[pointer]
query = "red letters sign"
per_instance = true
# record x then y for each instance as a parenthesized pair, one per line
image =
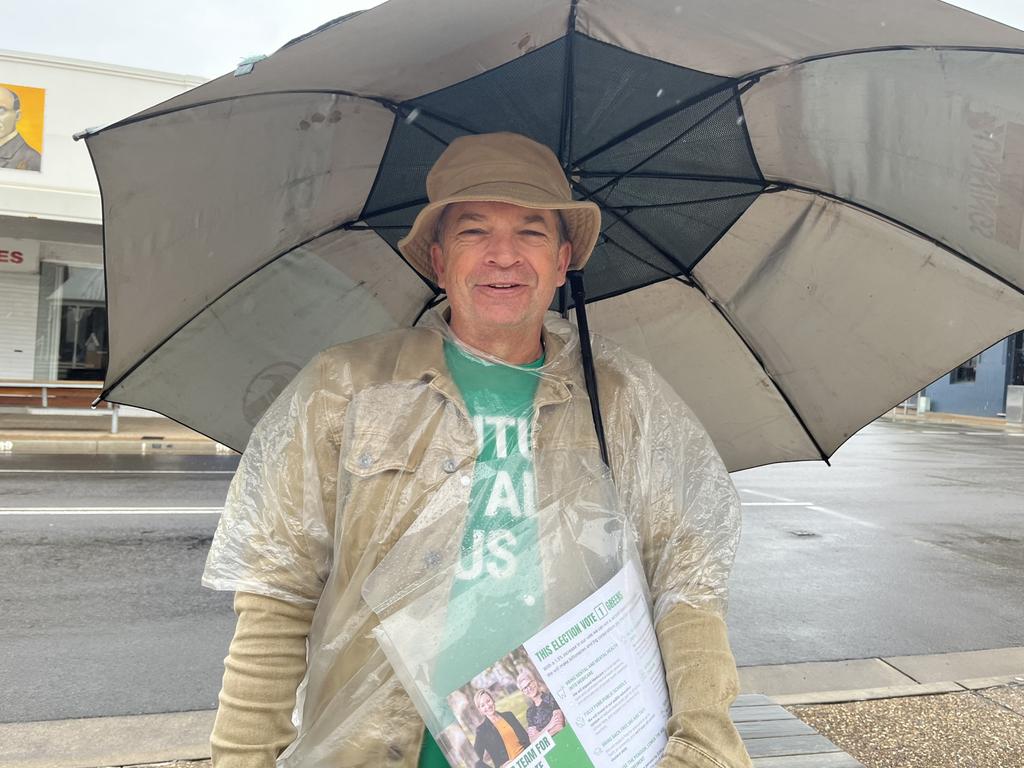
(19, 256)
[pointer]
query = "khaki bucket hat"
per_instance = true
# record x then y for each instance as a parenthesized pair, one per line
(501, 168)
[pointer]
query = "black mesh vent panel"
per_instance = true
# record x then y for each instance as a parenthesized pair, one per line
(662, 149)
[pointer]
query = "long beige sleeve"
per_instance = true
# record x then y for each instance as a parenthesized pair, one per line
(265, 664)
(702, 682)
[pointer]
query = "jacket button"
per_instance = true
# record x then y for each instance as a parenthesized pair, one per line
(448, 466)
(366, 461)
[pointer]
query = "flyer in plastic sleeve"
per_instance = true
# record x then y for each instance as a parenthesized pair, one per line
(587, 690)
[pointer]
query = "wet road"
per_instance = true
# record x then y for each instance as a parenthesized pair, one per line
(910, 543)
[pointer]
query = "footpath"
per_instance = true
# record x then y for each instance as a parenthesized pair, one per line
(936, 711)
(83, 433)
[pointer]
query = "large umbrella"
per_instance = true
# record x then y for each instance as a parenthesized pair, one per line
(812, 208)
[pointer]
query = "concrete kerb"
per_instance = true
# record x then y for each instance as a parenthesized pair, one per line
(148, 739)
(72, 433)
(833, 682)
(951, 420)
(106, 741)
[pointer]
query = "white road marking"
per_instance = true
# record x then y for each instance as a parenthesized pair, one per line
(766, 495)
(990, 432)
(783, 501)
(11, 471)
(848, 518)
(112, 511)
(777, 503)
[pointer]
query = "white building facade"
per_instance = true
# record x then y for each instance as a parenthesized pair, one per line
(52, 295)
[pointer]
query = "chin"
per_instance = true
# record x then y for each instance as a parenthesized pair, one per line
(502, 315)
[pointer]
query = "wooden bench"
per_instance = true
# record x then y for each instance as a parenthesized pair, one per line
(49, 394)
(777, 739)
(59, 397)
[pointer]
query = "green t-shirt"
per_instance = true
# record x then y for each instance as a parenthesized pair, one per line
(497, 598)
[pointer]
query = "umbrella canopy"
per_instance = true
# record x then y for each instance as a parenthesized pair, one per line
(811, 208)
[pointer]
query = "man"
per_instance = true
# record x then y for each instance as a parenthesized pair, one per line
(14, 152)
(543, 712)
(476, 425)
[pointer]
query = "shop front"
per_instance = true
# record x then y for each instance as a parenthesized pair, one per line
(53, 320)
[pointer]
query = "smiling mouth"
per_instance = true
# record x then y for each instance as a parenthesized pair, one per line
(501, 286)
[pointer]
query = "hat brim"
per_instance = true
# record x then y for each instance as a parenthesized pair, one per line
(582, 223)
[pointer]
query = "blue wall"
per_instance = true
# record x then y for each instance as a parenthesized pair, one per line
(985, 396)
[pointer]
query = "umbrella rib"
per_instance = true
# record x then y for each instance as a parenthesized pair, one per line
(132, 120)
(434, 300)
(568, 83)
(623, 220)
(642, 260)
(389, 209)
(735, 97)
(780, 186)
(663, 115)
(760, 362)
(415, 110)
(398, 108)
(345, 225)
(168, 416)
(758, 73)
(718, 198)
(672, 176)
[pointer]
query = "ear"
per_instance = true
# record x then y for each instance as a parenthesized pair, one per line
(564, 257)
(437, 262)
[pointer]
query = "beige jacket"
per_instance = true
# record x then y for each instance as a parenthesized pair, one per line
(370, 440)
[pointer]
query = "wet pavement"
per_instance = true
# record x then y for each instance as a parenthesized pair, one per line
(911, 543)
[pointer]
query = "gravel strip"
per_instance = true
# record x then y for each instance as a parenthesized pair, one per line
(974, 729)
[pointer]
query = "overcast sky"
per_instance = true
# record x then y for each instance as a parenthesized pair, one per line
(209, 37)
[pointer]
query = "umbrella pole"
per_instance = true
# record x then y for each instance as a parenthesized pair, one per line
(579, 301)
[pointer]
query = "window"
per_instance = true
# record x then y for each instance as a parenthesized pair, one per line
(965, 372)
(72, 326)
(1017, 358)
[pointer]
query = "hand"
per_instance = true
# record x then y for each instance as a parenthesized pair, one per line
(556, 723)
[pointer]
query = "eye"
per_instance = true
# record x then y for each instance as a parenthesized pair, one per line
(533, 233)
(473, 231)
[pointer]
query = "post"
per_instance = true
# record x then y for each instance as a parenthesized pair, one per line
(113, 419)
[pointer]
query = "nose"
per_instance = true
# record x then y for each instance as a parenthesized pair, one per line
(502, 250)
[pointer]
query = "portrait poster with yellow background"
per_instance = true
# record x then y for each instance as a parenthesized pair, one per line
(24, 117)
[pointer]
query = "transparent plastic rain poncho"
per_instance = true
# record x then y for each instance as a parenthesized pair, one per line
(360, 492)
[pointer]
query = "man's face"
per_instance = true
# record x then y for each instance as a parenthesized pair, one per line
(500, 264)
(8, 117)
(530, 687)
